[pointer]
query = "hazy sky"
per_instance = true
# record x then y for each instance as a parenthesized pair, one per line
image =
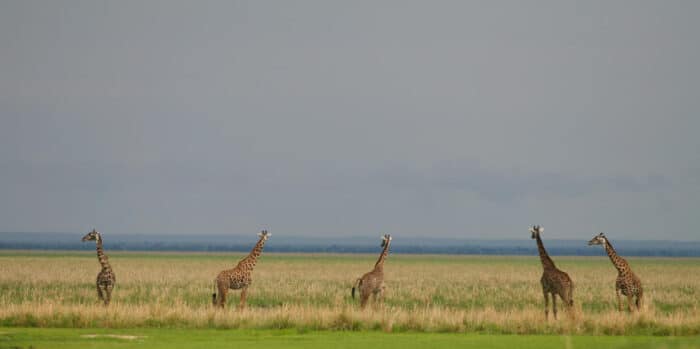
(431, 118)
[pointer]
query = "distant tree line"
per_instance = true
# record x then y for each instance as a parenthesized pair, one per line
(464, 249)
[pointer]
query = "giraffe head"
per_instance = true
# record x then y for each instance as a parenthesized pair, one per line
(386, 239)
(93, 235)
(264, 235)
(536, 230)
(599, 239)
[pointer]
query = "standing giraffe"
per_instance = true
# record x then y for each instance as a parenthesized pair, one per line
(240, 276)
(105, 278)
(372, 283)
(554, 281)
(627, 283)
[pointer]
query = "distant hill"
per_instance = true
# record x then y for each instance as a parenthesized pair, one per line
(356, 244)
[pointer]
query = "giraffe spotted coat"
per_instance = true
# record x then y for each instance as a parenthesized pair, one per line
(371, 284)
(554, 281)
(105, 278)
(238, 278)
(627, 283)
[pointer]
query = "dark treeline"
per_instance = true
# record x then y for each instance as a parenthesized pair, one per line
(241, 243)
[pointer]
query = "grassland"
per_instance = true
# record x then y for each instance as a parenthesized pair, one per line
(262, 339)
(309, 293)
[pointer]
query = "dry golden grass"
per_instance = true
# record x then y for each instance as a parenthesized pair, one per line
(309, 292)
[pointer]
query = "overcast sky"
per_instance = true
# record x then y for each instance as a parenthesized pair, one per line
(431, 118)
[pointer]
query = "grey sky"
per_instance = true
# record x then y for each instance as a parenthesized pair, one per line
(467, 119)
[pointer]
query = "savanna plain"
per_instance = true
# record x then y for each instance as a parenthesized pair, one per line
(48, 299)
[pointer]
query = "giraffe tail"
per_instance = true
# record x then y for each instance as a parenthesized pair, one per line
(571, 296)
(638, 300)
(213, 295)
(357, 284)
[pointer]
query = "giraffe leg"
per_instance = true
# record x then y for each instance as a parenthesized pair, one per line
(364, 298)
(638, 301)
(629, 303)
(244, 293)
(554, 305)
(569, 303)
(619, 299)
(570, 297)
(108, 294)
(221, 297)
(100, 297)
(546, 304)
(380, 296)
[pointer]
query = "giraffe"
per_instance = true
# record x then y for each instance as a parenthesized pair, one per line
(372, 283)
(105, 278)
(240, 276)
(554, 281)
(627, 282)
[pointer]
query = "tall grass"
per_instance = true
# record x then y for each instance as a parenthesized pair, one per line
(312, 292)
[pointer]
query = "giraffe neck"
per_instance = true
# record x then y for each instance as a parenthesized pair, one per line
(619, 262)
(101, 256)
(249, 261)
(547, 262)
(382, 257)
